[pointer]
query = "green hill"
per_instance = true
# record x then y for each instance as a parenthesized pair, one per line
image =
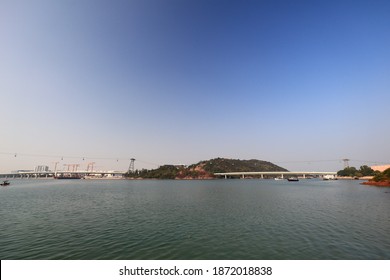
(206, 169)
(220, 165)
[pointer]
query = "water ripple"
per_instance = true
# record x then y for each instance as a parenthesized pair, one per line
(233, 219)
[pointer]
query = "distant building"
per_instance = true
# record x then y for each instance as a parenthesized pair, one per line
(380, 168)
(41, 168)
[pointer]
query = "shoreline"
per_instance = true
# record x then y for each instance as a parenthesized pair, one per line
(377, 184)
(354, 178)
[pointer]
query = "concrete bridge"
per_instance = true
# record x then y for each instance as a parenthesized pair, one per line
(280, 174)
(47, 174)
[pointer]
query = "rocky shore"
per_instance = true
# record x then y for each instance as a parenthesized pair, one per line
(377, 184)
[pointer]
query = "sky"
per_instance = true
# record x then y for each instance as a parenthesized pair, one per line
(302, 84)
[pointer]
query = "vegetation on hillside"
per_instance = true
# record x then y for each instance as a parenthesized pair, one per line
(163, 172)
(381, 179)
(364, 170)
(205, 169)
(383, 176)
(218, 165)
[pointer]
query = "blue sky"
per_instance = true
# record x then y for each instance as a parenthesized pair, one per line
(299, 83)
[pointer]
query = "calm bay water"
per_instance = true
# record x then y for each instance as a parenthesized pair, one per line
(217, 219)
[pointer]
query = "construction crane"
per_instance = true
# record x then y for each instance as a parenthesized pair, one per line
(67, 165)
(73, 166)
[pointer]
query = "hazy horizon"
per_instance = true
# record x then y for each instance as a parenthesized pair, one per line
(302, 84)
(54, 162)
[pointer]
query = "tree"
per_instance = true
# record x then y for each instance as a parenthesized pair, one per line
(382, 176)
(348, 171)
(366, 171)
(386, 173)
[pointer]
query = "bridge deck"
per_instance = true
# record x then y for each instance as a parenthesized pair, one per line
(275, 173)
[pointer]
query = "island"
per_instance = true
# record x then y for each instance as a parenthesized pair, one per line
(204, 169)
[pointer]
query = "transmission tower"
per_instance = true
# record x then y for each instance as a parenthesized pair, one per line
(131, 166)
(346, 162)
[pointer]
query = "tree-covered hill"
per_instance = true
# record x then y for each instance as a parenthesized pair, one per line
(364, 170)
(205, 169)
(236, 165)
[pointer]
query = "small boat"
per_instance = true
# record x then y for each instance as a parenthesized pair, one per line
(278, 179)
(329, 177)
(293, 179)
(5, 183)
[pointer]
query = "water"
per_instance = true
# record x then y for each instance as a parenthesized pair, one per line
(217, 219)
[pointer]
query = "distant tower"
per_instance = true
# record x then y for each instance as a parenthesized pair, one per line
(346, 162)
(131, 166)
(90, 165)
(55, 165)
